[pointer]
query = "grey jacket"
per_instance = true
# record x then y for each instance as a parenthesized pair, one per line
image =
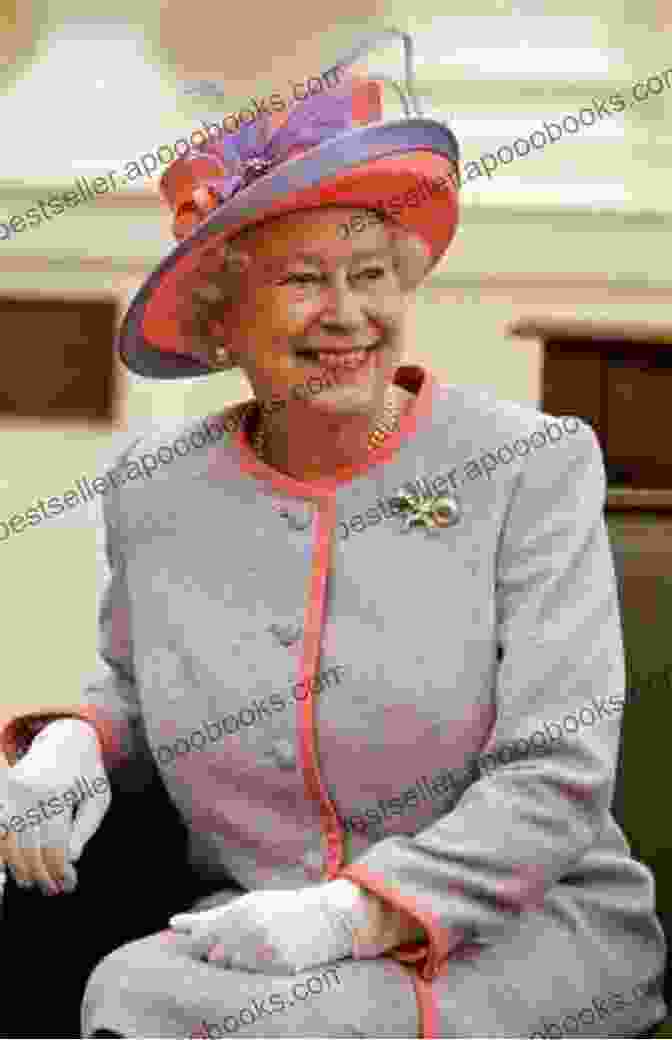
(431, 712)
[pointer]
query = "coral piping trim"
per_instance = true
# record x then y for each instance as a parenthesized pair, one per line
(428, 1010)
(324, 524)
(413, 378)
(441, 940)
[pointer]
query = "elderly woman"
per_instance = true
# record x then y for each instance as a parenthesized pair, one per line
(397, 832)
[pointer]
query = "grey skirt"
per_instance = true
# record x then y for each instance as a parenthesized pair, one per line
(531, 984)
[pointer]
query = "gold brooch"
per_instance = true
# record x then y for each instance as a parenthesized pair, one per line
(429, 511)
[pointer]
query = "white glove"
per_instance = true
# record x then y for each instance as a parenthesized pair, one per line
(39, 797)
(279, 933)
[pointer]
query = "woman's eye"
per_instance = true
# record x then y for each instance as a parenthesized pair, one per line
(371, 273)
(368, 273)
(303, 279)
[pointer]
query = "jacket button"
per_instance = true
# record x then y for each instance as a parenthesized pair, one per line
(286, 634)
(298, 517)
(312, 864)
(299, 522)
(284, 754)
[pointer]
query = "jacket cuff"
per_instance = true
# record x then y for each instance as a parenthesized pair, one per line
(386, 928)
(18, 734)
(427, 956)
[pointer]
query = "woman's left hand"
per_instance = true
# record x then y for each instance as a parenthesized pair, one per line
(279, 932)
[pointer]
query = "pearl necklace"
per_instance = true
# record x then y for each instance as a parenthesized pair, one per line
(388, 424)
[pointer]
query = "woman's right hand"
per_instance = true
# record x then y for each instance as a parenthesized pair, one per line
(45, 819)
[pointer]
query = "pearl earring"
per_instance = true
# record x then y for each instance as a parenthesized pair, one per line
(222, 356)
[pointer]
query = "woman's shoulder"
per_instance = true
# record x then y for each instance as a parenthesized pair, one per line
(170, 452)
(479, 413)
(214, 426)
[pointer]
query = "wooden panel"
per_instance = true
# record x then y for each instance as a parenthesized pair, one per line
(572, 383)
(600, 335)
(620, 498)
(622, 386)
(638, 398)
(58, 359)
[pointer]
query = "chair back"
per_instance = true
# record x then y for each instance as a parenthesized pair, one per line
(643, 565)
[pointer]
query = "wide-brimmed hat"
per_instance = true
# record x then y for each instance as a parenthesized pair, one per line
(335, 148)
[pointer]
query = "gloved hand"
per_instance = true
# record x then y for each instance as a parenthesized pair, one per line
(283, 933)
(39, 797)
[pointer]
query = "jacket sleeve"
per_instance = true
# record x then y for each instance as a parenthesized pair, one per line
(110, 700)
(529, 816)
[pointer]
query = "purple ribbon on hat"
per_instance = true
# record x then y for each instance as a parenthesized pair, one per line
(256, 147)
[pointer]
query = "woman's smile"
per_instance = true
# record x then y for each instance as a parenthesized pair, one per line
(345, 363)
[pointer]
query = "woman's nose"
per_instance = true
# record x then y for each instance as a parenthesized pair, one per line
(343, 307)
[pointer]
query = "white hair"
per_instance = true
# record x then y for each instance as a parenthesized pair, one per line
(412, 256)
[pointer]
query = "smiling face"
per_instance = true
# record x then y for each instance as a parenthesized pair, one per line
(313, 306)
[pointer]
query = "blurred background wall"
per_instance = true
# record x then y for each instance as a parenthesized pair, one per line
(575, 230)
